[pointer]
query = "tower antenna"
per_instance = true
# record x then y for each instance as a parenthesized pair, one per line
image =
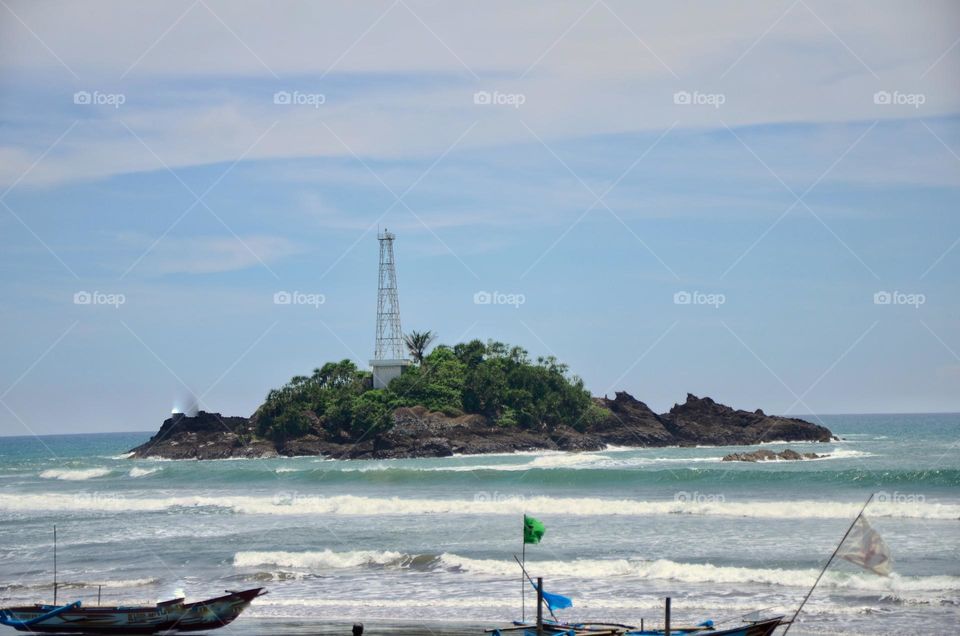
(389, 355)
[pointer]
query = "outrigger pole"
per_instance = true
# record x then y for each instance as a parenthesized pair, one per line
(829, 561)
(539, 593)
(523, 573)
(523, 587)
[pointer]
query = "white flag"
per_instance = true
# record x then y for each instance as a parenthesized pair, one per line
(866, 548)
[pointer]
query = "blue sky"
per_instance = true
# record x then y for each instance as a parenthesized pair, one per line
(782, 199)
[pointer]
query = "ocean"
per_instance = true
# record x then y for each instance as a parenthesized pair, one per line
(427, 545)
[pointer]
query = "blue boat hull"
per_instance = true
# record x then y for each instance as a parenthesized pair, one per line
(550, 628)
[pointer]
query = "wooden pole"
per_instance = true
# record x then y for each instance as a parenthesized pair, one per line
(54, 564)
(552, 615)
(829, 561)
(666, 618)
(539, 606)
(99, 591)
(523, 583)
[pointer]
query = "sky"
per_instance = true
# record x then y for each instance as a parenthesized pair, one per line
(755, 201)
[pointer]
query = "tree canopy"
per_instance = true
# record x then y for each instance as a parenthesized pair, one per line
(495, 380)
(417, 344)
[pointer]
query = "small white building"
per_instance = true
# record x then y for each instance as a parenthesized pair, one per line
(386, 370)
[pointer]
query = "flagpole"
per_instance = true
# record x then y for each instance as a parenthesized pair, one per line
(829, 561)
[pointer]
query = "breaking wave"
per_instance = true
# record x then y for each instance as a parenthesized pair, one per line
(587, 461)
(329, 560)
(483, 503)
(75, 475)
(659, 569)
(125, 583)
(117, 584)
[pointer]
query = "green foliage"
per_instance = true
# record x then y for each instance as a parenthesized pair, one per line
(330, 389)
(594, 415)
(436, 384)
(417, 343)
(492, 379)
(507, 418)
(371, 413)
(470, 353)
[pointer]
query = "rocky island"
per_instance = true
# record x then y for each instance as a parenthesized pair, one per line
(473, 398)
(766, 455)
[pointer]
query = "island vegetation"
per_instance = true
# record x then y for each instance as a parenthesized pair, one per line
(493, 379)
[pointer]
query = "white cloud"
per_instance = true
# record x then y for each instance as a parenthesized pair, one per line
(211, 254)
(398, 92)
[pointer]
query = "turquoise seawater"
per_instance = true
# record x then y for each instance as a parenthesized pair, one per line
(433, 539)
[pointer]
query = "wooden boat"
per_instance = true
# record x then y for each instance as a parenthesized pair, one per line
(169, 616)
(752, 624)
(763, 627)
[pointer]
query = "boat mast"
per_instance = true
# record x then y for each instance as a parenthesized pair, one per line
(54, 564)
(829, 561)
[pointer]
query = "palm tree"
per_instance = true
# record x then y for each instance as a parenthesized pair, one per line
(417, 343)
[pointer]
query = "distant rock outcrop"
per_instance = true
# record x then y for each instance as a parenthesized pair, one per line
(698, 419)
(764, 455)
(205, 436)
(632, 423)
(418, 432)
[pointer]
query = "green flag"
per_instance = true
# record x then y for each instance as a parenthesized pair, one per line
(532, 530)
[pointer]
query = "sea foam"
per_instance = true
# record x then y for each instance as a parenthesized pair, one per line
(593, 461)
(74, 475)
(659, 569)
(482, 504)
(322, 560)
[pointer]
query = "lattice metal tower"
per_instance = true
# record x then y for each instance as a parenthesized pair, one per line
(389, 356)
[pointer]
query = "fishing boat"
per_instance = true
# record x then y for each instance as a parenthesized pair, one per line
(764, 627)
(169, 616)
(752, 624)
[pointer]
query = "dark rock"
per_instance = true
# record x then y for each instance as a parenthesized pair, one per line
(205, 436)
(700, 419)
(765, 455)
(631, 423)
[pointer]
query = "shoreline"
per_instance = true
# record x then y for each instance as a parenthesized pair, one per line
(299, 626)
(610, 448)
